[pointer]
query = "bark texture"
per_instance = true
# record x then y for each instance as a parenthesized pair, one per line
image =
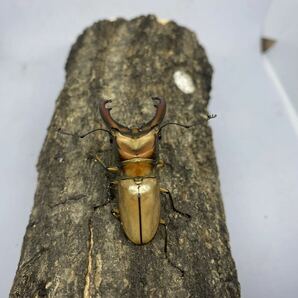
(73, 248)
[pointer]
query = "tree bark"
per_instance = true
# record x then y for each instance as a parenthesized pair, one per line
(73, 246)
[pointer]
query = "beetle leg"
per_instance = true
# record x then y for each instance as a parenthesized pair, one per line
(108, 201)
(162, 222)
(113, 170)
(166, 191)
(161, 164)
(110, 198)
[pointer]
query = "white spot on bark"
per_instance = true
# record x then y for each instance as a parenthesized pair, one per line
(184, 82)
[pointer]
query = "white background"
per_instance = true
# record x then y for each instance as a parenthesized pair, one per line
(255, 134)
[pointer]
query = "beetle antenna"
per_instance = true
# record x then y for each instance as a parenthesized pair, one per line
(209, 116)
(94, 130)
(85, 134)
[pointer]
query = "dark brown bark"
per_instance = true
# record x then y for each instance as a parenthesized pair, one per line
(73, 249)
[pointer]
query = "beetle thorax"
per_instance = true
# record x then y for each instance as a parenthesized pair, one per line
(142, 146)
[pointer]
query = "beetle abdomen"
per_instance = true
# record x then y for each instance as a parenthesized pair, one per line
(139, 206)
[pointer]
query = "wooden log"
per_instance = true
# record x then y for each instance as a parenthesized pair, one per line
(73, 246)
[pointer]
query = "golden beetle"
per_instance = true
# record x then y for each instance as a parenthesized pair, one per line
(137, 182)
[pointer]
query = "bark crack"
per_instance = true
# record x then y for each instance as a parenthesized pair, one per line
(87, 286)
(33, 259)
(74, 198)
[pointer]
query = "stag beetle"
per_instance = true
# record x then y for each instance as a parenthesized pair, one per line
(138, 187)
(137, 182)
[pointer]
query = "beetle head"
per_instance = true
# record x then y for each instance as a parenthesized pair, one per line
(137, 141)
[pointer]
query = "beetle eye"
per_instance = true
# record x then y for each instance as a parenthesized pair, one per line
(159, 137)
(111, 141)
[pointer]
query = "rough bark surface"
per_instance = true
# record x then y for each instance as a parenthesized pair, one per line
(73, 248)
